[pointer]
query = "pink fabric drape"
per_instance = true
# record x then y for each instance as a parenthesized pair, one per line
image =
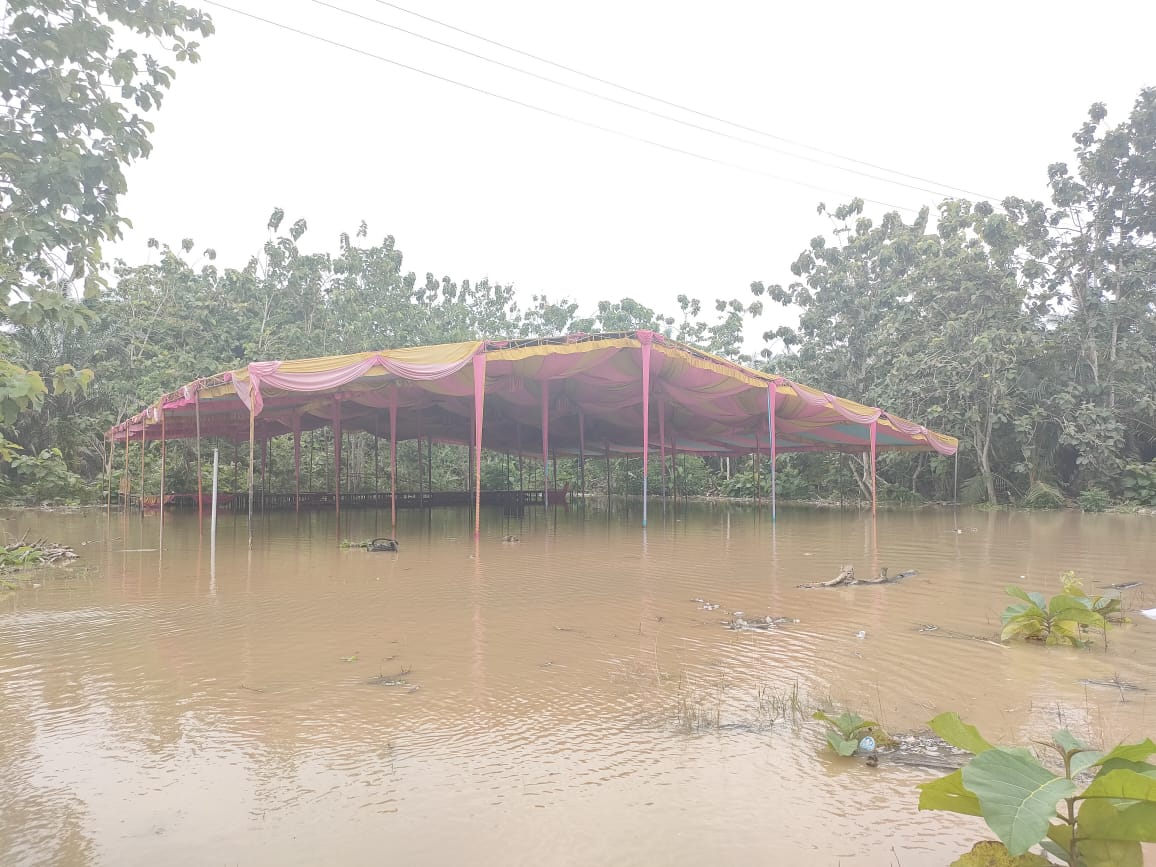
(266, 373)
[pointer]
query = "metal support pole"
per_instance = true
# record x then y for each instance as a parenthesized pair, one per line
(200, 466)
(479, 411)
(545, 443)
(252, 455)
(874, 498)
(772, 398)
(645, 421)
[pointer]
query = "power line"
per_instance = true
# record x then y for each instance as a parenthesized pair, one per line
(687, 123)
(685, 108)
(547, 111)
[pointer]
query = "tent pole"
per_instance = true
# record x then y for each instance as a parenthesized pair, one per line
(772, 395)
(127, 472)
(421, 473)
(163, 455)
(662, 440)
(252, 454)
(140, 497)
(479, 410)
(608, 486)
(337, 434)
(874, 426)
(108, 469)
(645, 337)
(582, 453)
(521, 469)
(264, 472)
(376, 467)
(955, 495)
(297, 462)
(545, 443)
(200, 466)
(758, 472)
(393, 458)
(429, 469)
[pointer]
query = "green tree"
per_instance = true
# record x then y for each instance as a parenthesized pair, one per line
(75, 98)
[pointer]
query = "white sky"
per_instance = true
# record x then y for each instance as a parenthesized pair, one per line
(982, 96)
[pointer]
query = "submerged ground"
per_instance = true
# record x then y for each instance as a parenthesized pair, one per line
(571, 697)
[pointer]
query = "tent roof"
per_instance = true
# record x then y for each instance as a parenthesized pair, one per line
(592, 385)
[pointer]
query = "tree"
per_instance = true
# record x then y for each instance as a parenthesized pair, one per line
(73, 117)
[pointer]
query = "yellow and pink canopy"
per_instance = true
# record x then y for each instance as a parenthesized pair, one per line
(623, 394)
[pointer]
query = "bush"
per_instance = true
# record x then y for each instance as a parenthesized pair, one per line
(1139, 483)
(45, 477)
(1094, 500)
(1043, 496)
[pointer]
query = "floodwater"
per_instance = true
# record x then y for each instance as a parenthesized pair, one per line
(559, 699)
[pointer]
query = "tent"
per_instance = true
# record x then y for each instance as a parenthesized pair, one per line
(626, 393)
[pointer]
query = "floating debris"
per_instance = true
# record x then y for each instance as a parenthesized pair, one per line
(1125, 585)
(511, 539)
(846, 578)
(39, 553)
(1114, 683)
(758, 624)
(933, 629)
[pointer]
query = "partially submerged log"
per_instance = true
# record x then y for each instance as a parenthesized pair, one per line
(846, 578)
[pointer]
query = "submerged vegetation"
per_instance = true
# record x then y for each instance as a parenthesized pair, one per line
(1067, 618)
(1027, 329)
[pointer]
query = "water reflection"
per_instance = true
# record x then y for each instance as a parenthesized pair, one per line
(524, 700)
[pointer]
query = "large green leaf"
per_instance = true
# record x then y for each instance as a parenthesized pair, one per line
(1100, 819)
(1017, 794)
(1036, 599)
(843, 746)
(959, 734)
(1072, 608)
(949, 793)
(989, 853)
(1094, 853)
(1131, 752)
(1122, 783)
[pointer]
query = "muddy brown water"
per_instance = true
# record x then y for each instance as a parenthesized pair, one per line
(561, 699)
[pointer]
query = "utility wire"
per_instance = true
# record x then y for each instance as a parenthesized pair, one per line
(632, 106)
(685, 108)
(547, 111)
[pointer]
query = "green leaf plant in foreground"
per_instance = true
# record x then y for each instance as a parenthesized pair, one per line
(1026, 803)
(846, 730)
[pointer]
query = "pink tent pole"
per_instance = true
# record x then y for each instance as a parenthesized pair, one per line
(645, 337)
(479, 408)
(545, 443)
(874, 425)
(337, 458)
(297, 459)
(582, 452)
(772, 394)
(662, 440)
(200, 493)
(252, 448)
(393, 457)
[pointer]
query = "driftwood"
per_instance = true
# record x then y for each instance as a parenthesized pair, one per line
(25, 553)
(846, 578)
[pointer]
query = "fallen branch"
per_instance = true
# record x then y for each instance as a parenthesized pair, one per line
(846, 578)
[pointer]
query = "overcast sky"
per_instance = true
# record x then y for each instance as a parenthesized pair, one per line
(980, 96)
